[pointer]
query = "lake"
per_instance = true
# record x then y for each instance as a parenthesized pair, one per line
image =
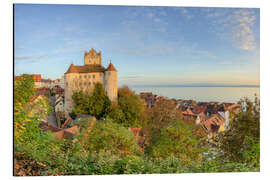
(218, 94)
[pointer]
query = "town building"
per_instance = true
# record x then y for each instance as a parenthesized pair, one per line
(83, 78)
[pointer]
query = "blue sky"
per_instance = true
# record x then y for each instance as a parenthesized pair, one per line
(147, 45)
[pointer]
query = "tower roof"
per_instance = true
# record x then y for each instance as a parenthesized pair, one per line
(111, 67)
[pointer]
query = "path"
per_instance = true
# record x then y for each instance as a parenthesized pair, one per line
(52, 117)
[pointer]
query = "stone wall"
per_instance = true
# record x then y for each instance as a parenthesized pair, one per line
(111, 85)
(80, 82)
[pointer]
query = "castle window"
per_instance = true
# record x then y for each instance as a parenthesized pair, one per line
(85, 76)
(66, 84)
(85, 83)
(89, 83)
(89, 76)
(94, 76)
(80, 84)
(80, 76)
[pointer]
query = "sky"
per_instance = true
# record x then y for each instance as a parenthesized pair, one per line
(147, 45)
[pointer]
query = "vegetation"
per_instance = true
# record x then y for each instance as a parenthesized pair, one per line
(242, 142)
(126, 112)
(96, 104)
(107, 146)
(131, 105)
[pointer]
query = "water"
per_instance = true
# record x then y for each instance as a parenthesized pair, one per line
(203, 94)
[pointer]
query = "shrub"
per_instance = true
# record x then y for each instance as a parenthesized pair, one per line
(107, 136)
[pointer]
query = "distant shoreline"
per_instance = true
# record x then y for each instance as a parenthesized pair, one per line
(195, 85)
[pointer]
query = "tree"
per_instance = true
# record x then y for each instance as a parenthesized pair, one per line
(100, 136)
(178, 140)
(241, 143)
(163, 114)
(23, 90)
(115, 114)
(131, 105)
(168, 135)
(96, 104)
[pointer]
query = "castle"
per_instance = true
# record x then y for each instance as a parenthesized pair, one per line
(83, 78)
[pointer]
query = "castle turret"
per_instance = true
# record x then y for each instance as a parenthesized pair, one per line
(92, 57)
(111, 84)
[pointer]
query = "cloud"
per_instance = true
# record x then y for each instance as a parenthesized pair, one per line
(236, 24)
(26, 57)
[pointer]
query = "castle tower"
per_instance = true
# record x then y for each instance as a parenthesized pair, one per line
(111, 83)
(92, 57)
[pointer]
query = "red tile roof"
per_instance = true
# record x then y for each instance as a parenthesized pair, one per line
(87, 68)
(67, 133)
(215, 120)
(188, 112)
(66, 122)
(36, 77)
(111, 67)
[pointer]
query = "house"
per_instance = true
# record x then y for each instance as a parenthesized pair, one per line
(149, 98)
(59, 82)
(59, 104)
(213, 124)
(188, 114)
(42, 91)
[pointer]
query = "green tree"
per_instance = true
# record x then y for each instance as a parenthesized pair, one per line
(131, 105)
(178, 140)
(100, 136)
(241, 143)
(97, 103)
(168, 135)
(163, 114)
(23, 90)
(115, 114)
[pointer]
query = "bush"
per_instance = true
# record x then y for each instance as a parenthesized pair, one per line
(132, 107)
(108, 136)
(242, 142)
(179, 141)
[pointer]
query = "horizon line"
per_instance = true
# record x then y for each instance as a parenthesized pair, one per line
(196, 85)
